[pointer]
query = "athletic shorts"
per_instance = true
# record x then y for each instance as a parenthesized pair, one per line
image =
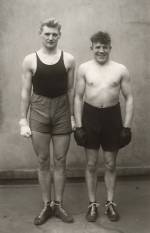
(102, 126)
(50, 115)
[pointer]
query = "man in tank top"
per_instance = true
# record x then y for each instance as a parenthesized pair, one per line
(47, 90)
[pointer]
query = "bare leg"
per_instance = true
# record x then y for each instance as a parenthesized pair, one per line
(41, 142)
(110, 173)
(91, 173)
(110, 182)
(60, 147)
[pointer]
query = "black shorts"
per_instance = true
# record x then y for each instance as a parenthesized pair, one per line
(102, 126)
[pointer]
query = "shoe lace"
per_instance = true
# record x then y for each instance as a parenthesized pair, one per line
(61, 208)
(93, 207)
(52, 203)
(111, 205)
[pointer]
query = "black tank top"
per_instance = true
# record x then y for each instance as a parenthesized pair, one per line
(50, 80)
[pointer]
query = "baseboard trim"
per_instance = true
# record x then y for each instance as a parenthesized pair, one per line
(72, 172)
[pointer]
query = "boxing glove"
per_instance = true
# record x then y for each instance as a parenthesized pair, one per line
(125, 137)
(80, 136)
(25, 130)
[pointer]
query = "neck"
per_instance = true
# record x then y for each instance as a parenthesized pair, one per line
(52, 51)
(102, 63)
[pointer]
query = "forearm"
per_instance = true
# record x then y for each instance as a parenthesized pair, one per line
(71, 101)
(128, 112)
(78, 105)
(25, 130)
(25, 103)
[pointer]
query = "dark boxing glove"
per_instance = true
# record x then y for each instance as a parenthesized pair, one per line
(125, 137)
(80, 136)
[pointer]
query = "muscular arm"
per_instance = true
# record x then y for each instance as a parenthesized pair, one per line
(127, 94)
(71, 71)
(79, 93)
(26, 87)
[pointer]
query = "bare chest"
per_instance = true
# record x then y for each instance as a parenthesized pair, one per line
(49, 59)
(102, 78)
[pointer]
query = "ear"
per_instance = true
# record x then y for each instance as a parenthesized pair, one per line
(91, 47)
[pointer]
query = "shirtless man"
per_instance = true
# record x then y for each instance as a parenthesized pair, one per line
(98, 118)
(49, 72)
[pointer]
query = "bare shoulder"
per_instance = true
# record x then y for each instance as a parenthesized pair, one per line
(120, 67)
(85, 66)
(69, 59)
(29, 61)
(68, 56)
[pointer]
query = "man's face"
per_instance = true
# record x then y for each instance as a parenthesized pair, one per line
(50, 37)
(101, 52)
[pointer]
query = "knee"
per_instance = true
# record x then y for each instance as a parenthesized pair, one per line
(44, 163)
(60, 162)
(91, 167)
(110, 166)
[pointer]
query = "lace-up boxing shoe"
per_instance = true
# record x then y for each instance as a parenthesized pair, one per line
(92, 212)
(60, 212)
(44, 215)
(111, 211)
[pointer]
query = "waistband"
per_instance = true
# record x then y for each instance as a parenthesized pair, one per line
(109, 108)
(50, 98)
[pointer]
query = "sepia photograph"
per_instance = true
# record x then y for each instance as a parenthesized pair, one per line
(74, 116)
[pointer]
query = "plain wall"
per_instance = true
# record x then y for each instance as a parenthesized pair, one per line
(128, 22)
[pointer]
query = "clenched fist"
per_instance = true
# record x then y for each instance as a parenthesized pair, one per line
(25, 130)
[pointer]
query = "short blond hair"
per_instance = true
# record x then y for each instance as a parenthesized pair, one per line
(50, 22)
